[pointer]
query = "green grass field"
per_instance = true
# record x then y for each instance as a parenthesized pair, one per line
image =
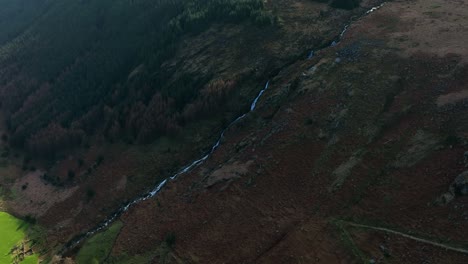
(97, 248)
(12, 231)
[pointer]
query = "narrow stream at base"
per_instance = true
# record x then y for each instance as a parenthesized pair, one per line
(78, 239)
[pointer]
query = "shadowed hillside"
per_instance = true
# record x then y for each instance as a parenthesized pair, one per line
(234, 131)
(78, 68)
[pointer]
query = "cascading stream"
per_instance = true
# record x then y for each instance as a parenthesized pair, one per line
(158, 188)
(195, 163)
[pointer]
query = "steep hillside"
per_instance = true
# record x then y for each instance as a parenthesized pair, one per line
(225, 131)
(357, 155)
(17, 16)
(101, 100)
(94, 67)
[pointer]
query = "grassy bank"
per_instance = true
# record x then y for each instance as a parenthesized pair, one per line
(12, 232)
(97, 248)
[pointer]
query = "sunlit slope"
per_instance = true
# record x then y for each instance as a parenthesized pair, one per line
(12, 231)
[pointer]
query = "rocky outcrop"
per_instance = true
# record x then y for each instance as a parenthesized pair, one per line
(227, 173)
(459, 187)
(21, 251)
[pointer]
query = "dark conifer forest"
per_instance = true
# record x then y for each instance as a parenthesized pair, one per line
(71, 68)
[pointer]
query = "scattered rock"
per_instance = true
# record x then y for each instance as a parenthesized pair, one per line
(384, 250)
(446, 198)
(322, 135)
(422, 144)
(459, 187)
(228, 172)
(452, 98)
(344, 170)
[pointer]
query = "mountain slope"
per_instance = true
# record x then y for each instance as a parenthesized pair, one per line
(73, 65)
(101, 101)
(354, 152)
(361, 135)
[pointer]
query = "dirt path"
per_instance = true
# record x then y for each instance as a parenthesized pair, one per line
(460, 250)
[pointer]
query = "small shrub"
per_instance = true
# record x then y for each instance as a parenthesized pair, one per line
(309, 121)
(90, 193)
(26, 159)
(452, 140)
(30, 219)
(71, 175)
(295, 83)
(262, 18)
(99, 159)
(170, 240)
(345, 4)
(54, 180)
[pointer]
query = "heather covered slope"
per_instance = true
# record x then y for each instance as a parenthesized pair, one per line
(354, 156)
(355, 152)
(101, 100)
